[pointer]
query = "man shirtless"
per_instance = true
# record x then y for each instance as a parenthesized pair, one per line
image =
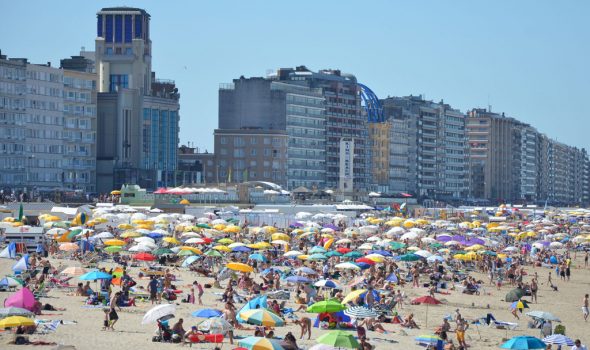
(305, 324)
(585, 308)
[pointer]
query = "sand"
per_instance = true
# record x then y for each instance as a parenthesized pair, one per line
(131, 334)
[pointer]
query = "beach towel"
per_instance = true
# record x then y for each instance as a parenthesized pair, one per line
(47, 326)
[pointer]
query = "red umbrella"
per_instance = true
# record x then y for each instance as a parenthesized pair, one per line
(344, 250)
(161, 190)
(365, 260)
(428, 300)
(144, 257)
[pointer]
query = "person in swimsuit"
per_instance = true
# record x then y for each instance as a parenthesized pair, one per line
(305, 324)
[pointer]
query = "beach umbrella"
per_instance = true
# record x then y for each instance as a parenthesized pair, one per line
(365, 260)
(392, 278)
(74, 271)
(222, 248)
(317, 256)
(360, 312)
(327, 284)
(117, 242)
(543, 315)
(339, 339)
(22, 298)
(215, 325)
(352, 296)
(409, 257)
(241, 249)
(162, 251)
(333, 253)
(428, 339)
(113, 249)
(213, 254)
(524, 342)
(558, 339)
(428, 300)
(16, 321)
(10, 282)
(292, 254)
(514, 295)
(347, 266)
(397, 245)
(434, 258)
(236, 266)
(423, 253)
(322, 347)
(69, 247)
(262, 317)
(260, 343)
(298, 279)
(521, 304)
(192, 249)
(325, 306)
(188, 261)
(317, 249)
(353, 255)
(158, 312)
(258, 257)
(207, 313)
(15, 311)
(95, 275)
(172, 240)
(185, 252)
(144, 257)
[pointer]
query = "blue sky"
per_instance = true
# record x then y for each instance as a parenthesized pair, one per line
(529, 59)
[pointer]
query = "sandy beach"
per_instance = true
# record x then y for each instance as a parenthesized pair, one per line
(86, 333)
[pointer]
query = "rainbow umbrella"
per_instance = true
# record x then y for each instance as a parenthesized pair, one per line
(262, 317)
(259, 343)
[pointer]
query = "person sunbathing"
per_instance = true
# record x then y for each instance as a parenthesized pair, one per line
(410, 323)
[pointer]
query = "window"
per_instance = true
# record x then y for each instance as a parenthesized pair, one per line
(267, 152)
(253, 140)
(118, 81)
(238, 141)
(118, 28)
(109, 51)
(99, 26)
(238, 153)
(109, 29)
(253, 163)
(253, 152)
(128, 51)
(138, 23)
(223, 140)
(267, 140)
(128, 28)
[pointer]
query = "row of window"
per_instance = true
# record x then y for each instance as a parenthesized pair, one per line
(45, 76)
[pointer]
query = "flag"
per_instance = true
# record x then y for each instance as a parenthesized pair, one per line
(229, 176)
(20, 212)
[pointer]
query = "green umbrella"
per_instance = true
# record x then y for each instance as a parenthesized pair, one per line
(61, 224)
(410, 257)
(332, 253)
(74, 233)
(436, 245)
(514, 295)
(113, 249)
(326, 306)
(186, 252)
(213, 253)
(339, 339)
(353, 254)
(396, 245)
(162, 251)
(203, 226)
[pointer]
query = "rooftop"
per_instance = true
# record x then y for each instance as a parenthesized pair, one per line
(123, 9)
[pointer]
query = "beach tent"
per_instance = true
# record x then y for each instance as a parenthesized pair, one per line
(22, 264)
(24, 298)
(9, 252)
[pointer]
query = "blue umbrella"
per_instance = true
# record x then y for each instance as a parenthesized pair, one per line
(306, 270)
(381, 252)
(317, 256)
(363, 265)
(190, 260)
(207, 313)
(95, 275)
(298, 279)
(523, 343)
(317, 249)
(155, 235)
(241, 249)
(558, 339)
(258, 257)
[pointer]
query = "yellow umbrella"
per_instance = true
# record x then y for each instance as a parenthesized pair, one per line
(185, 202)
(53, 218)
(329, 243)
(262, 245)
(112, 242)
(219, 227)
(225, 241)
(15, 321)
(303, 257)
(270, 229)
(145, 227)
(222, 248)
(353, 295)
(236, 266)
(375, 257)
(171, 240)
(9, 219)
(192, 249)
(125, 226)
(17, 224)
(116, 193)
(475, 247)
(232, 229)
(130, 234)
(280, 236)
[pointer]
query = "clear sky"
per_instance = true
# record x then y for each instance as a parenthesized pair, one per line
(529, 59)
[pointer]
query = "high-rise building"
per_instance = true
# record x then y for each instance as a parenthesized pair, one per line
(79, 133)
(13, 118)
(427, 148)
(138, 115)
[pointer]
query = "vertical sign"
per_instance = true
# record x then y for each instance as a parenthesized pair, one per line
(346, 165)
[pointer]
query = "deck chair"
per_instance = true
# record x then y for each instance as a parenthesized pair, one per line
(41, 291)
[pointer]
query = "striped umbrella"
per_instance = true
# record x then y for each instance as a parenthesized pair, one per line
(259, 343)
(215, 325)
(262, 317)
(360, 312)
(558, 339)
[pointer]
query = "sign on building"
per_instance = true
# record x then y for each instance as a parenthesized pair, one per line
(346, 165)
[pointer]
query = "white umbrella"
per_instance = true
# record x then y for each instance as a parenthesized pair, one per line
(140, 248)
(215, 325)
(423, 253)
(360, 312)
(409, 236)
(158, 312)
(555, 245)
(293, 253)
(138, 216)
(347, 266)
